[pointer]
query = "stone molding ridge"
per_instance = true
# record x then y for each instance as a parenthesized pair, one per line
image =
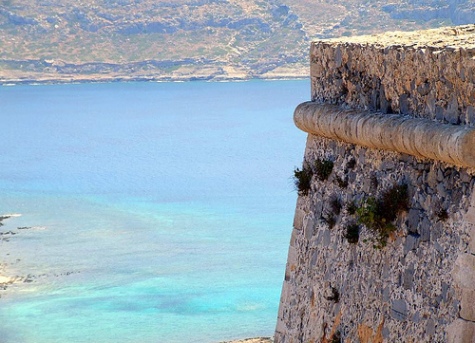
(424, 138)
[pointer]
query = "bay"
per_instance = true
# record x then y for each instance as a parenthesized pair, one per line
(156, 212)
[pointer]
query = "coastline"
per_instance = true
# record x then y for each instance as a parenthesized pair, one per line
(5, 280)
(112, 79)
(252, 340)
(212, 73)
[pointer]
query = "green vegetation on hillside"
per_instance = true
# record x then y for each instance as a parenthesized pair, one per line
(192, 38)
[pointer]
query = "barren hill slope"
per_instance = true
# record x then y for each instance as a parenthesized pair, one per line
(183, 39)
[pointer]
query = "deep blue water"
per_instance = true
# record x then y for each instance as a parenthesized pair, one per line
(162, 212)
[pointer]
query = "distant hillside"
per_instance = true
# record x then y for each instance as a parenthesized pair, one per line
(185, 39)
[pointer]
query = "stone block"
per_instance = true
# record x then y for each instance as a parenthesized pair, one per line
(464, 176)
(413, 218)
(298, 219)
(408, 278)
(326, 238)
(425, 229)
(469, 217)
(471, 244)
(432, 178)
(467, 304)
(294, 237)
(388, 165)
(430, 327)
(309, 228)
(470, 115)
(452, 115)
(445, 288)
(318, 210)
(442, 190)
(411, 243)
(399, 309)
(464, 271)
(461, 331)
(351, 177)
(292, 259)
(386, 294)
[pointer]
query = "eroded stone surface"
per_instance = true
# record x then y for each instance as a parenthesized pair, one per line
(467, 304)
(408, 283)
(461, 331)
(427, 74)
(464, 271)
(418, 287)
(415, 136)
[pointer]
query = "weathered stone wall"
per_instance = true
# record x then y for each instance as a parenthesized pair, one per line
(426, 73)
(420, 287)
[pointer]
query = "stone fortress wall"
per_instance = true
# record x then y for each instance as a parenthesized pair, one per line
(393, 110)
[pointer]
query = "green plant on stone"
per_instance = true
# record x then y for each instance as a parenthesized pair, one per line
(367, 213)
(351, 208)
(323, 169)
(352, 233)
(442, 214)
(379, 214)
(393, 201)
(336, 337)
(335, 296)
(342, 182)
(351, 164)
(331, 221)
(335, 205)
(303, 179)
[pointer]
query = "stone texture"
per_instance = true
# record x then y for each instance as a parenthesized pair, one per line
(420, 285)
(408, 278)
(471, 244)
(467, 304)
(373, 283)
(464, 271)
(298, 219)
(399, 309)
(461, 331)
(425, 74)
(414, 136)
(430, 327)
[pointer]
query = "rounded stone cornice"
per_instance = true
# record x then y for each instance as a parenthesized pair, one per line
(454, 144)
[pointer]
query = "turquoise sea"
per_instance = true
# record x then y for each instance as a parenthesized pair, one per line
(155, 212)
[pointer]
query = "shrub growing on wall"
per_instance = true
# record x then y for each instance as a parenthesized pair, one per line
(352, 233)
(303, 179)
(378, 215)
(323, 169)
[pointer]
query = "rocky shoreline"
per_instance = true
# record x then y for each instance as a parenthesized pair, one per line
(7, 279)
(112, 79)
(253, 340)
(57, 72)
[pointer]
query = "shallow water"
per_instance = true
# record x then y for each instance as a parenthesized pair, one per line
(161, 212)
